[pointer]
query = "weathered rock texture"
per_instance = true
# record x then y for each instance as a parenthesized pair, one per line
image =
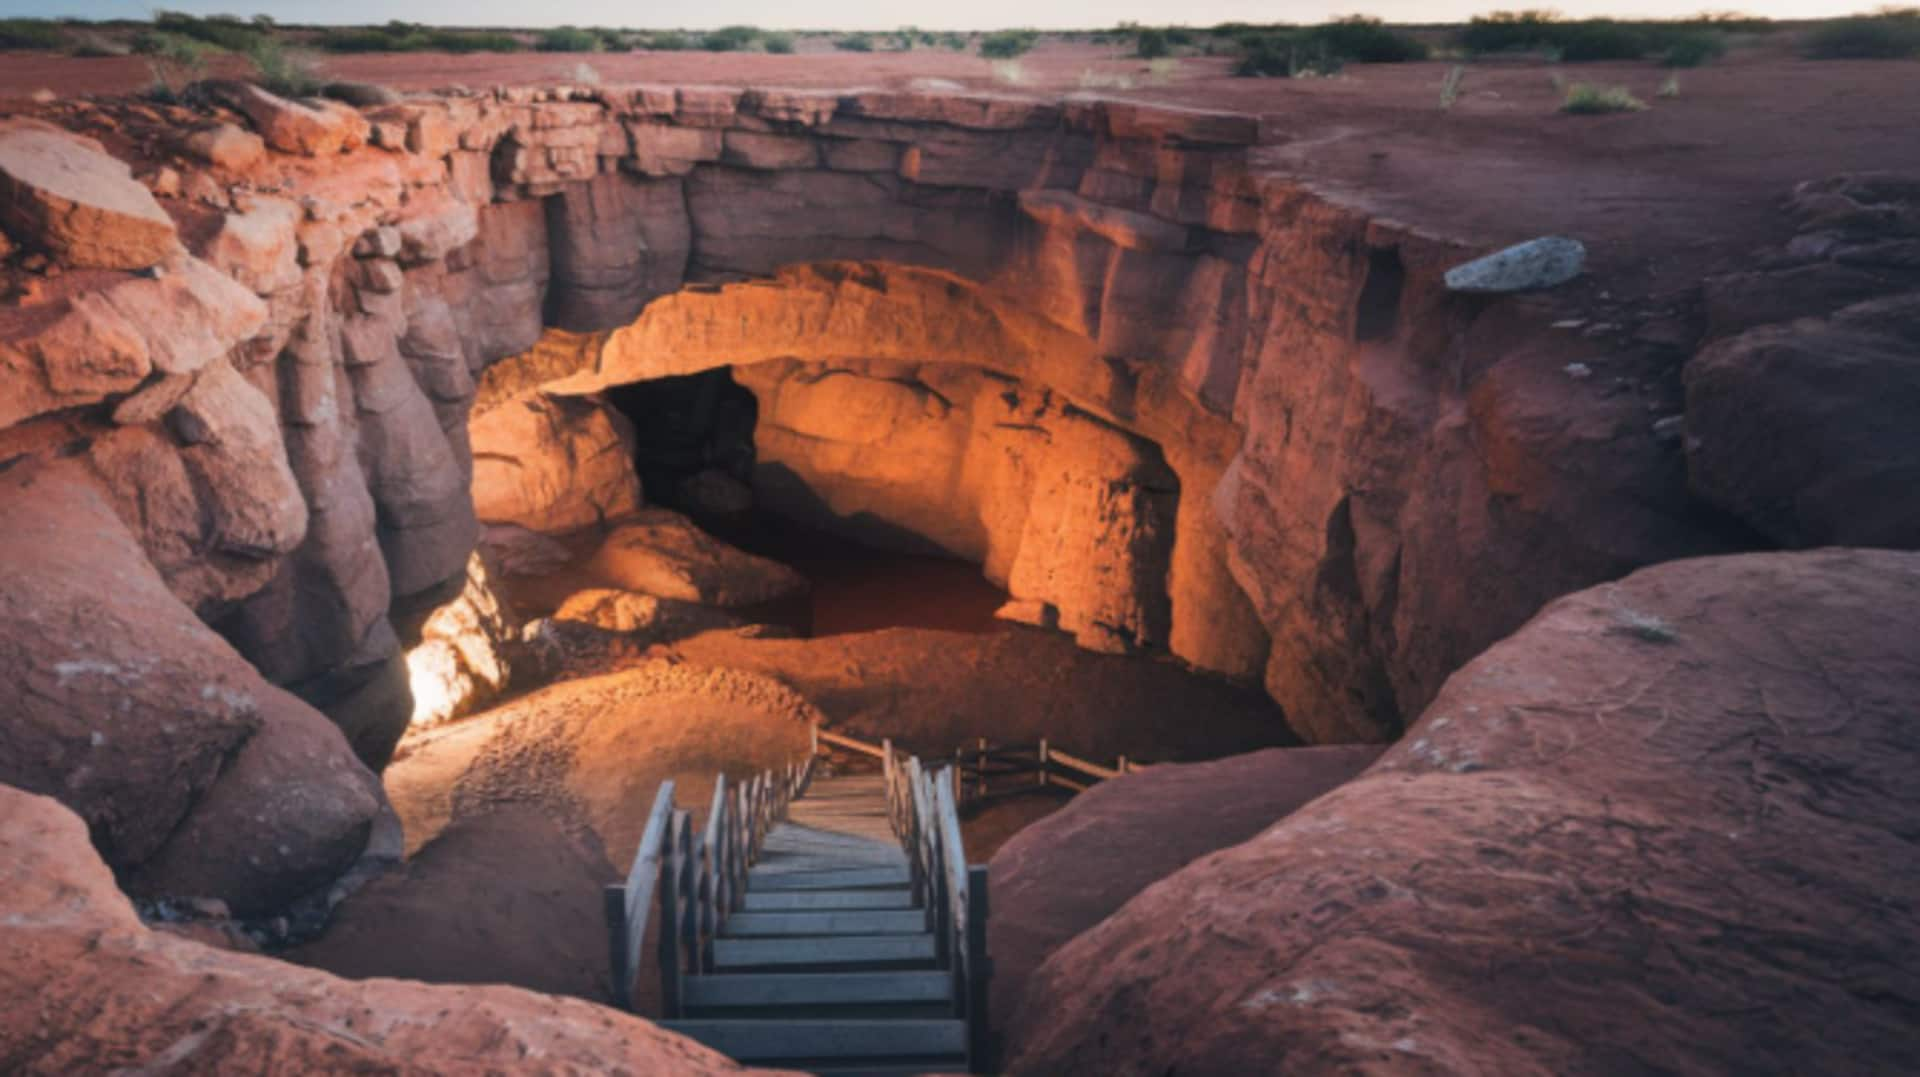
(553, 464)
(1798, 413)
(1663, 828)
(72, 199)
(1369, 479)
(1065, 873)
(464, 658)
(1073, 516)
(88, 988)
(195, 776)
(1351, 457)
(661, 553)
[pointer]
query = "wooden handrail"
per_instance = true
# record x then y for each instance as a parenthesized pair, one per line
(855, 744)
(628, 903)
(696, 878)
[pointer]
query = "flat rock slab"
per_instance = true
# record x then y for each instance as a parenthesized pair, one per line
(63, 193)
(662, 553)
(1538, 263)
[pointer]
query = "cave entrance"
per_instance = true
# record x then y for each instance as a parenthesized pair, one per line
(694, 450)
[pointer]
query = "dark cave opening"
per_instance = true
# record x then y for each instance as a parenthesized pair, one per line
(693, 438)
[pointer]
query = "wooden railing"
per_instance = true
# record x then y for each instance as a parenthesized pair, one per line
(988, 771)
(926, 817)
(695, 879)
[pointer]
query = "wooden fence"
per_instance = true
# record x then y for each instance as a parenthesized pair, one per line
(986, 771)
(695, 879)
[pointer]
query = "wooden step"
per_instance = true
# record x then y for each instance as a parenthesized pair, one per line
(834, 879)
(745, 925)
(819, 989)
(768, 1040)
(877, 897)
(823, 952)
(780, 865)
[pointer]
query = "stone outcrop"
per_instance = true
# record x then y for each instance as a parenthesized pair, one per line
(88, 986)
(1663, 827)
(661, 553)
(1799, 429)
(196, 777)
(1796, 410)
(553, 464)
(1065, 873)
(70, 198)
(464, 658)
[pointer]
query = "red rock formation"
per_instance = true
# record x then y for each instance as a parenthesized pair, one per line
(1663, 827)
(1376, 479)
(553, 464)
(1067, 872)
(196, 777)
(89, 987)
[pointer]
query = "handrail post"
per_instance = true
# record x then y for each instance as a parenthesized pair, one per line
(1043, 763)
(670, 927)
(614, 901)
(979, 967)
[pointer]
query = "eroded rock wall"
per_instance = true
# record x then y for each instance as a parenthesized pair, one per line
(1374, 478)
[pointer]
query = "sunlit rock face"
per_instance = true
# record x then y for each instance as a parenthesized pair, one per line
(553, 464)
(464, 657)
(1073, 516)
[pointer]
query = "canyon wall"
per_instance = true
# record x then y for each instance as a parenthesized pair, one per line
(264, 353)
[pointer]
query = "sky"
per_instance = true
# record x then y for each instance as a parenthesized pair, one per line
(891, 14)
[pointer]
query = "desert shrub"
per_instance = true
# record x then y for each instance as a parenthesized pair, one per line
(1323, 50)
(1509, 31)
(1450, 87)
(34, 34)
(956, 42)
(1591, 40)
(93, 46)
(567, 39)
(728, 39)
(1364, 40)
(1691, 48)
(174, 60)
(1179, 35)
(472, 41)
(220, 31)
(1592, 99)
(668, 41)
(777, 43)
(1677, 43)
(1287, 55)
(1006, 44)
(280, 69)
(1151, 44)
(364, 39)
(1892, 34)
(853, 43)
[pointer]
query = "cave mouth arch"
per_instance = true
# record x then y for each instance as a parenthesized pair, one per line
(916, 411)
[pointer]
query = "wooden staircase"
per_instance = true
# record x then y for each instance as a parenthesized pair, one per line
(823, 923)
(830, 963)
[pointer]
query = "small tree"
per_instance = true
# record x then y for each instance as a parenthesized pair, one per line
(1151, 44)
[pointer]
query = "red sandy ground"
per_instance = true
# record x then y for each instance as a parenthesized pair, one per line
(1660, 197)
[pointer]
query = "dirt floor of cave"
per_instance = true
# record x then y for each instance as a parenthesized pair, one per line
(1661, 197)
